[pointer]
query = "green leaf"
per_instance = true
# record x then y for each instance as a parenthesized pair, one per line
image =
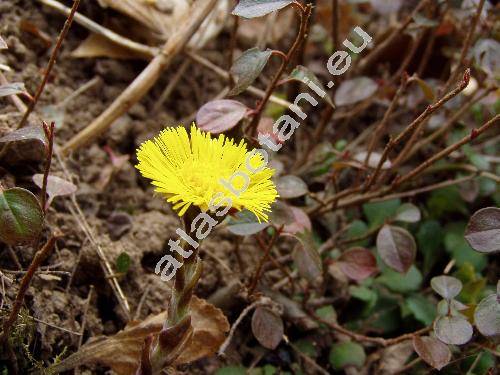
(347, 353)
(123, 263)
(457, 246)
(357, 228)
(483, 366)
(429, 239)
(378, 212)
(231, 370)
(446, 200)
(327, 313)
(366, 295)
(306, 347)
(401, 283)
(21, 217)
(422, 309)
(247, 68)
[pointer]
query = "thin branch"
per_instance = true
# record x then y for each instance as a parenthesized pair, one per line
(263, 260)
(370, 58)
(51, 62)
(304, 14)
(382, 125)
(416, 123)
(448, 150)
(466, 46)
(264, 301)
(49, 135)
(374, 340)
(25, 283)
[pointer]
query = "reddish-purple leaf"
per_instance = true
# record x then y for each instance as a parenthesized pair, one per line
(267, 327)
(34, 132)
(56, 186)
(358, 263)
(265, 127)
(432, 351)
(218, 116)
(397, 248)
(453, 330)
(301, 223)
(483, 231)
(291, 186)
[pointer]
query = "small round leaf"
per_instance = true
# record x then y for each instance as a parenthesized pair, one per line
(21, 218)
(358, 263)
(432, 351)
(306, 257)
(355, 90)
(267, 327)
(487, 316)
(56, 186)
(396, 247)
(247, 68)
(218, 116)
(447, 287)
(453, 330)
(290, 186)
(123, 262)
(483, 231)
(245, 223)
(300, 224)
(408, 213)
(347, 353)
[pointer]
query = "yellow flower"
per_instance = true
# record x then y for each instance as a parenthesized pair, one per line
(193, 170)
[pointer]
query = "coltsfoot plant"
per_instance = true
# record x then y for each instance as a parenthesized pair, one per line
(204, 178)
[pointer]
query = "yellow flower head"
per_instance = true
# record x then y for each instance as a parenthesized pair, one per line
(193, 170)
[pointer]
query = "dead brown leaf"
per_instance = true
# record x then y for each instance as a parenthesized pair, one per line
(98, 46)
(122, 351)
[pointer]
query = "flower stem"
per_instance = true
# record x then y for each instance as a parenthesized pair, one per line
(177, 329)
